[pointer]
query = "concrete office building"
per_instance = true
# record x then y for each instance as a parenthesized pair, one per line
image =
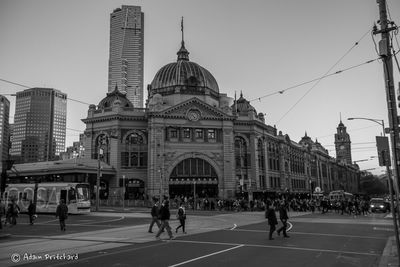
(39, 125)
(125, 66)
(4, 129)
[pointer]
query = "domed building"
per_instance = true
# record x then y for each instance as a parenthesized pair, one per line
(192, 140)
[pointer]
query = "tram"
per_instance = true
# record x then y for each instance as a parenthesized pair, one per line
(48, 196)
(339, 195)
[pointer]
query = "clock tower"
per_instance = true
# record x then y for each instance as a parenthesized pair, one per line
(343, 144)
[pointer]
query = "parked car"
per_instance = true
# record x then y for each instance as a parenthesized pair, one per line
(379, 204)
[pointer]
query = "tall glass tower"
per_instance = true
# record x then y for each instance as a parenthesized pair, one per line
(39, 125)
(4, 129)
(125, 66)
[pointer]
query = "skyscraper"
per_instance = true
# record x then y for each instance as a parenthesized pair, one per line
(125, 66)
(4, 129)
(39, 125)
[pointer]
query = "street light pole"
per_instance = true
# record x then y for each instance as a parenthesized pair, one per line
(385, 157)
(123, 192)
(100, 152)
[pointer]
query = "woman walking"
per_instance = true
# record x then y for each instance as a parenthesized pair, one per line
(181, 215)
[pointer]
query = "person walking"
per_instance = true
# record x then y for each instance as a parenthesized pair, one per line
(154, 216)
(283, 216)
(272, 221)
(181, 215)
(62, 213)
(31, 212)
(164, 217)
(2, 212)
(14, 211)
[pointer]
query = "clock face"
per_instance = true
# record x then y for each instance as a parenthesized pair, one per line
(193, 115)
(342, 147)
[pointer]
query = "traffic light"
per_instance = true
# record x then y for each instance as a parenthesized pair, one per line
(382, 144)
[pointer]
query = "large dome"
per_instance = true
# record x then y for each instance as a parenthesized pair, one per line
(188, 76)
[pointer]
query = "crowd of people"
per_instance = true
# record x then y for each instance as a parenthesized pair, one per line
(354, 206)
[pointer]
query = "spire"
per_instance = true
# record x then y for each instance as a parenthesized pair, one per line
(183, 54)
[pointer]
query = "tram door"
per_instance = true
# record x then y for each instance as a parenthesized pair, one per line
(63, 195)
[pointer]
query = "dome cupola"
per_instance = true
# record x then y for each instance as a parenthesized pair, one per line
(114, 98)
(184, 77)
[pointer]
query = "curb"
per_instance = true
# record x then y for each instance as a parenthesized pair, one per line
(2, 236)
(389, 255)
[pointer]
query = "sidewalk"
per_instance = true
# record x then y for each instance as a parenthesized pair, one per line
(389, 255)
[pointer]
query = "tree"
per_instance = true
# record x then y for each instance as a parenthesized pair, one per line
(372, 185)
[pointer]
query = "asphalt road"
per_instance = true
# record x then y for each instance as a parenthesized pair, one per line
(315, 240)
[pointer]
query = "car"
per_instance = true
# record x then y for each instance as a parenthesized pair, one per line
(379, 204)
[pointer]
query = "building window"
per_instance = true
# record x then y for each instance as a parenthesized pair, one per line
(211, 134)
(199, 133)
(186, 133)
(173, 133)
(135, 154)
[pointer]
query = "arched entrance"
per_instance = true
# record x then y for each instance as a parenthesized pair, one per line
(193, 176)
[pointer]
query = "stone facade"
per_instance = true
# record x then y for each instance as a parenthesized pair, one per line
(192, 139)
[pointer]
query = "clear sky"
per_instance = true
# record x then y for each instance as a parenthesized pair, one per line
(258, 47)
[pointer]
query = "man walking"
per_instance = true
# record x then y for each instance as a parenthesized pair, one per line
(164, 217)
(2, 212)
(272, 221)
(62, 213)
(283, 216)
(154, 216)
(31, 212)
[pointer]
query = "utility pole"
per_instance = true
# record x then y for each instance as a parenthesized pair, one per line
(386, 56)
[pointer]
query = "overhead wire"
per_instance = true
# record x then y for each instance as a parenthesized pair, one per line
(26, 86)
(326, 73)
(321, 77)
(313, 80)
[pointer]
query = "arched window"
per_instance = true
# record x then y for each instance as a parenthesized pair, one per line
(102, 148)
(134, 152)
(242, 157)
(261, 154)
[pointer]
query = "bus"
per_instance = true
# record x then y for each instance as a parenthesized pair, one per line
(339, 195)
(48, 196)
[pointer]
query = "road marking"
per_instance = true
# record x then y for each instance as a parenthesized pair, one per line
(208, 255)
(383, 229)
(234, 226)
(290, 227)
(278, 247)
(46, 221)
(315, 234)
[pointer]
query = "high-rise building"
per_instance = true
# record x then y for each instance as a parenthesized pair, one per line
(39, 125)
(4, 129)
(125, 66)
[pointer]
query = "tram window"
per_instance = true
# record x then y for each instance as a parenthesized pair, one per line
(72, 195)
